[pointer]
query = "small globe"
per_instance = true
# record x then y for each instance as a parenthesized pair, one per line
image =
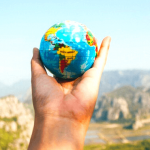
(68, 49)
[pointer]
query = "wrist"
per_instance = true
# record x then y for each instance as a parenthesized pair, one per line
(57, 133)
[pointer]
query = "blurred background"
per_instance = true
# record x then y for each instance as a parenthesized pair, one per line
(122, 113)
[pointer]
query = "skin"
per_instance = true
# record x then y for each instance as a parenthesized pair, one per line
(63, 109)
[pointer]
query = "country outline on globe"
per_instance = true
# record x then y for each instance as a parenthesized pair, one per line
(67, 47)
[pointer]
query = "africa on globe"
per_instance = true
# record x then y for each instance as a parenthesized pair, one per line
(68, 49)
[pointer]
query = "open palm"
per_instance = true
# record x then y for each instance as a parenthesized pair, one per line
(67, 99)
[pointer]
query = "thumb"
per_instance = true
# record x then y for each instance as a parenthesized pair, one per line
(103, 53)
(37, 67)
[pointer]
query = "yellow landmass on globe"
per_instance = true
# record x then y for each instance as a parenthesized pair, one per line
(66, 56)
(52, 30)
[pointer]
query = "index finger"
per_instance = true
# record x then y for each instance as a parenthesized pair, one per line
(102, 55)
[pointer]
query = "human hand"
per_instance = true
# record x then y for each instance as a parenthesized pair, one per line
(63, 109)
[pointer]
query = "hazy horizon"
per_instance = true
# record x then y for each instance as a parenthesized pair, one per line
(29, 78)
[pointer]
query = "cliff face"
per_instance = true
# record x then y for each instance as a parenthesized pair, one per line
(111, 109)
(125, 102)
(112, 80)
(16, 120)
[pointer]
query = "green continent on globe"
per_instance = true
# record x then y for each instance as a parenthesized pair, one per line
(66, 55)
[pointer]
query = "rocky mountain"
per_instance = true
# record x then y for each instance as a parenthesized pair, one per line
(125, 102)
(16, 124)
(112, 80)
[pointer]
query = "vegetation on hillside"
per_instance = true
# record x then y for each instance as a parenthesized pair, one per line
(9, 140)
(142, 145)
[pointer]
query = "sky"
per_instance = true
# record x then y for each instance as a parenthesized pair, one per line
(23, 23)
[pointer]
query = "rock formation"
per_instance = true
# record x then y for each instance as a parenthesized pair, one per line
(122, 103)
(17, 120)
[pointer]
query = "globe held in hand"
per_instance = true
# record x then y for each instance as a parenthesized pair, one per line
(68, 49)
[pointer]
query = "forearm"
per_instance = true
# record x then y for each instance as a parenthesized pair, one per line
(57, 133)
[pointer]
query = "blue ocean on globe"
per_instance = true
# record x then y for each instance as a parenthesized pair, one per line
(68, 49)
